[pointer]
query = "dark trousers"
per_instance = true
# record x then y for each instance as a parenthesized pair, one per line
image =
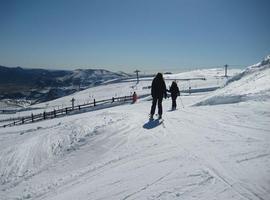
(154, 103)
(174, 102)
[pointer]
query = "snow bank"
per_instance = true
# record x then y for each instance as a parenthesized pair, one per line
(31, 150)
(251, 84)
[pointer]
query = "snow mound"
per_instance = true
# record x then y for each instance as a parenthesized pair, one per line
(251, 84)
(34, 149)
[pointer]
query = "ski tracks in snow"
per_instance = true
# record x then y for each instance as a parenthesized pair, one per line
(190, 155)
(209, 162)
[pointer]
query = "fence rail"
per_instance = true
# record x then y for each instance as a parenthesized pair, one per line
(67, 110)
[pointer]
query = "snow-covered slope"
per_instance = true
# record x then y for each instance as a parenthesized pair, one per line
(207, 152)
(118, 154)
(212, 78)
(251, 84)
(10, 104)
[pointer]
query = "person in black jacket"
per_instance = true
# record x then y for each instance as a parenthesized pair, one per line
(174, 90)
(158, 91)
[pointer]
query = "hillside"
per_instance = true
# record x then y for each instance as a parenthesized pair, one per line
(219, 151)
(251, 84)
(209, 78)
(39, 85)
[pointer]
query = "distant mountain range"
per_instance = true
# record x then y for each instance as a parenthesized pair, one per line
(39, 85)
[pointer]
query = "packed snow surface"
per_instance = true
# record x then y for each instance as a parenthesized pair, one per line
(196, 152)
(252, 83)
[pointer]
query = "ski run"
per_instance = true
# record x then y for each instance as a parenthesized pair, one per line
(215, 145)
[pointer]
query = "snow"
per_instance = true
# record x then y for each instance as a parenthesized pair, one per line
(217, 151)
(10, 105)
(213, 78)
(251, 84)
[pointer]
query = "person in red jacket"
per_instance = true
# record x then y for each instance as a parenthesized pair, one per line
(134, 97)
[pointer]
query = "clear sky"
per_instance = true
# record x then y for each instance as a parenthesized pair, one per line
(129, 34)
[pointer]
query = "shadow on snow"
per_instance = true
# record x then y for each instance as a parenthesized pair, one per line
(152, 124)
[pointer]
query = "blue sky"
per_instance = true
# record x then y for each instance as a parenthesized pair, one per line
(124, 35)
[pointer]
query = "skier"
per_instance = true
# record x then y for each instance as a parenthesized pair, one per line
(174, 90)
(158, 91)
(134, 97)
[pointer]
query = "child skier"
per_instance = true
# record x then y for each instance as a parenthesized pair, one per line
(134, 97)
(174, 90)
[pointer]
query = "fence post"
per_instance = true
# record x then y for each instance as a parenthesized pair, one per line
(32, 117)
(44, 115)
(79, 107)
(94, 102)
(54, 113)
(112, 99)
(66, 110)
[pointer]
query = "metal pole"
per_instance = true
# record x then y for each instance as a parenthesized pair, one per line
(137, 74)
(181, 101)
(226, 67)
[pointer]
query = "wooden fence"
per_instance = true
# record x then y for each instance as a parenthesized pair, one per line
(68, 110)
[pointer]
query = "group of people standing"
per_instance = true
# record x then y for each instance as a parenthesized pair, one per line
(159, 91)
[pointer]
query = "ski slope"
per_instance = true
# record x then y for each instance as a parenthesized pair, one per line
(251, 84)
(213, 78)
(216, 151)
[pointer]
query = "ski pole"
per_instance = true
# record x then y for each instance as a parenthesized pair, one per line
(181, 102)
